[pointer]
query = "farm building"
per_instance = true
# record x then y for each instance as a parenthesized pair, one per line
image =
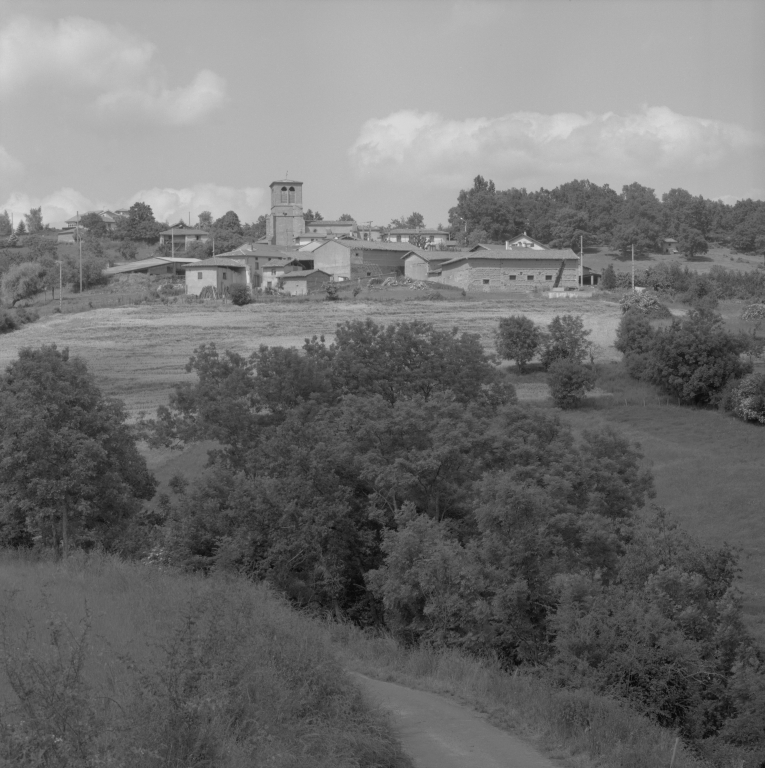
(180, 237)
(668, 245)
(520, 241)
(512, 270)
(157, 265)
(590, 276)
(217, 275)
(424, 265)
(435, 236)
(301, 282)
(272, 273)
(351, 259)
(259, 256)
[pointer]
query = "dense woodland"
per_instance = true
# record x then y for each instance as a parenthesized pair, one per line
(603, 216)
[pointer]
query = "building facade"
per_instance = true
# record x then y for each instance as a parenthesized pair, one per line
(303, 282)
(217, 273)
(285, 222)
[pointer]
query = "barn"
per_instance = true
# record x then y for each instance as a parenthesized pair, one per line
(424, 265)
(304, 281)
(351, 259)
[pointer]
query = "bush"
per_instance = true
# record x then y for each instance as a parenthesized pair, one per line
(7, 323)
(746, 398)
(565, 338)
(23, 281)
(634, 337)
(239, 295)
(518, 338)
(645, 303)
(569, 381)
(608, 281)
(331, 292)
(754, 312)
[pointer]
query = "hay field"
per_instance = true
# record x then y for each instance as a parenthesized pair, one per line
(139, 353)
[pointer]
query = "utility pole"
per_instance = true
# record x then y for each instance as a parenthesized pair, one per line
(581, 262)
(633, 267)
(79, 243)
(60, 285)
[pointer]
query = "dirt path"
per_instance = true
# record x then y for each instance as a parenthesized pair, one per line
(437, 732)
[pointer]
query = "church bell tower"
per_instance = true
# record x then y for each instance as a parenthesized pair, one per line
(286, 220)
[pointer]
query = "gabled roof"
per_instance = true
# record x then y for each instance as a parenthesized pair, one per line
(429, 255)
(517, 254)
(310, 247)
(216, 262)
(419, 232)
(670, 240)
(298, 273)
(375, 245)
(137, 266)
(524, 236)
(176, 230)
(262, 250)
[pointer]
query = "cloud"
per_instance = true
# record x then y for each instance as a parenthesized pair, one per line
(167, 204)
(529, 146)
(9, 164)
(116, 69)
(172, 204)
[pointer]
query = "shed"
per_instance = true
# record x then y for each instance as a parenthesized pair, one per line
(668, 245)
(424, 265)
(301, 282)
(218, 273)
(157, 265)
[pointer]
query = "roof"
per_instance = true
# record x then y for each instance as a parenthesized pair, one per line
(304, 273)
(421, 231)
(375, 245)
(217, 262)
(284, 181)
(137, 266)
(526, 237)
(107, 216)
(325, 223)
(176, 230)
(518, 254)
(310, 247)
(670, 240)
(262, 250)
(429, 255)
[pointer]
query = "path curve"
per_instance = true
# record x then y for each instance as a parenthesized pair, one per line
(437, 732)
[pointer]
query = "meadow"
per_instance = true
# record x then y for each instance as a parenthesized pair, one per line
(108, 663)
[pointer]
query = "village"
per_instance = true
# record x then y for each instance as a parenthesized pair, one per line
(297, 257)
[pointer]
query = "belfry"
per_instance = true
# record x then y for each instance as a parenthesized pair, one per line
(286, 221)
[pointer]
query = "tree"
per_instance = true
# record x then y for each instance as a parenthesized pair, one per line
(694, 358)
(127, 250)
(608, 282)
(565, 338)
(92, 273)
(691, 243)
(239, 294)
(309, 215)
(413, 221)
(229, 222)
(569, 381)
(139, 224)
(346, 217)
(23, 281)
(34, 220)
(6, 229)
(70, 472)
(205, 220)
(94, 224)
(21, 229)
(257, 229)
(518, 338)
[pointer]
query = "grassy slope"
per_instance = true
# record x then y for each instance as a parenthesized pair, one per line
(132, 667)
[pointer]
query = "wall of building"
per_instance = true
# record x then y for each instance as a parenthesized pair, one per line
(371, 263)
(213, 277)
(416, 268)
(505, 276)
(337, 260)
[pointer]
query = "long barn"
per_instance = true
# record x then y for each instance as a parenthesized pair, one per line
(519, 269)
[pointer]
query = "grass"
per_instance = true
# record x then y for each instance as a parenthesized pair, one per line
(106, 663)
(579, 728)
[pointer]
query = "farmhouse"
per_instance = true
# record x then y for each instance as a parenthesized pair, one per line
(424, 265)
(520, 241)
(216, 275)
(157, 265)
(181, 237)
(512, 270)
(301, 282)
(259, 256)
(351, 259)
(668, 245)
(435, 236)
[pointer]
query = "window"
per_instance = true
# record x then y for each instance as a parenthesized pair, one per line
(285, 195)
(529, 277)
(225, 276)
(369, 274)
(486, 281)
(199, 275)
(511, 277)
(548, 277)
(292, 195)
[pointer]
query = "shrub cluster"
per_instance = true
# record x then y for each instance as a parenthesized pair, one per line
(645, 303)
(746, 398)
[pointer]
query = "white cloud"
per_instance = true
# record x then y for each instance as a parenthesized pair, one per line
(114, 67)
(9, 164)
(172, 204)
(529, 146)
(167, 204)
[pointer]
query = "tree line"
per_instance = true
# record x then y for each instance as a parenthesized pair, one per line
(601, 216)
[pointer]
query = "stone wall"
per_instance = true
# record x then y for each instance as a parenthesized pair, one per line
(485, 276)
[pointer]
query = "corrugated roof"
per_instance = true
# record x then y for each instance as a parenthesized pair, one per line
(137, 266)
(304, 273)
(517, 254)
(217, 262)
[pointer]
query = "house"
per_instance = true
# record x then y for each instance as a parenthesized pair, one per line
(590, 276)
(110, 219)
(181, 236)
(258, 256)
(668, 245)
(521, 241)
(301, 282)
(157, 265)
(368, 232)
(513, 270)
(351, 259)
(217, 275)
(324, 228)
(435, 236)
(272, 273)
(424, 265)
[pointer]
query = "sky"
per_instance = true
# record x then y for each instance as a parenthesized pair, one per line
(380, 108)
